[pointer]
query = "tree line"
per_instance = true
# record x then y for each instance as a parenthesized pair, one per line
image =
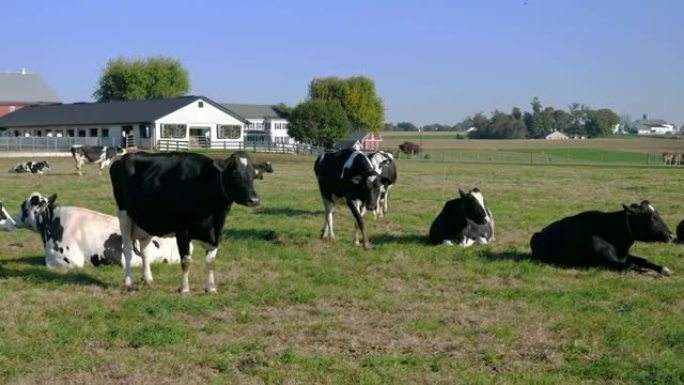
(579, 120)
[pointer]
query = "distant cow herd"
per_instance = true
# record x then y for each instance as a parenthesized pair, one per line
(167, 200)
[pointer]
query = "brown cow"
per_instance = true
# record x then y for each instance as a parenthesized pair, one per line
(672, 158)
(409, 148)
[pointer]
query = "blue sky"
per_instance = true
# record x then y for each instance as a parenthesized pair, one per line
(432, 61)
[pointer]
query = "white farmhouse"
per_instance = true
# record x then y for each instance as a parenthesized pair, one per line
(267, 126)
(653, 127)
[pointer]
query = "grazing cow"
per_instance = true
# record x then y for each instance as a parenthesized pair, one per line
(74, 236)
(6, 221)
(384, 162)
(409, 148)
(465, 220)
(672, 158)
(101, 155)
(595, 238)
(261, 168)
(185, 194)
(30, 167)
(347, 174)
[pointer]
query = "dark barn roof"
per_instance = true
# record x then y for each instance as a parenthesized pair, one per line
(119, 112)
(254, 111)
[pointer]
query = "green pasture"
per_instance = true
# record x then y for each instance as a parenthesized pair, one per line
(293, 309)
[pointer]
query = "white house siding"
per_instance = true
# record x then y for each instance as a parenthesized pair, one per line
(208, 116)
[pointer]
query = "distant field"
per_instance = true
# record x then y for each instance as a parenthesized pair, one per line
(293, 309)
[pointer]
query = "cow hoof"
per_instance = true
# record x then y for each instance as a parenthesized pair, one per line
(665, 271)
(183, 292)
(210, 290)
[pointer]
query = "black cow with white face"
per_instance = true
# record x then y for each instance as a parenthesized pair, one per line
(595, 238)
(185, 194)
(350, 176)
(261, 168)
(465, 220)
(101, 155)
(6, 221)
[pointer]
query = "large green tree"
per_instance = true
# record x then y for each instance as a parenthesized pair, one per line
(318, 121)
(357, 96)
(140, 79)
(601, 122)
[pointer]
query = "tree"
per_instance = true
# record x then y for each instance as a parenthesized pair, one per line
(364, 109)
(318, 121)
(140, 79)
(601, 122)
(561, 120)
(406, 126)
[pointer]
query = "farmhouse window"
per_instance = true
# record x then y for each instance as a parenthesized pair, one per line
(144, 131)
(229, 132)
(93, 132)
(70, 133)
(81, 133)
(173, 130)
(105, 132)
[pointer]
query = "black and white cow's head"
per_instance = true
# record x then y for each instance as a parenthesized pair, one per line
(6, 221)
(35, 211)
(475, 206)
(363, 178)
(645, 223)
(237, 179)
(39, 167)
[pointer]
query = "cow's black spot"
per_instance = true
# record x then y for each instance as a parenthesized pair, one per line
(56, 230)
(66, 260)
(156, 244)
(96, 260)
(113, 249)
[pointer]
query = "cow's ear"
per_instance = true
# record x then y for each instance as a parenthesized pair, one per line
(629, 209)
(51, 199)
(356, 179)
(645, 203)
(461, 193)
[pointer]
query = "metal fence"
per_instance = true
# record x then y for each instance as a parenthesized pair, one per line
(184, 145)
(46, 144)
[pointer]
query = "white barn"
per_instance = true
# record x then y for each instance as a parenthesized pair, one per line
(163, 124)
(267, 126)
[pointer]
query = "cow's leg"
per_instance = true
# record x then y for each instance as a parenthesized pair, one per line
(146, 252)
(359, 226)
(327, 230)
(638, 263)
(79, 165)
(385, 199)
(104, 164)
(209, 260)
(183, 242)
(126, 227)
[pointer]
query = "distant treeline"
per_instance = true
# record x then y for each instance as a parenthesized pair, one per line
(579, 120)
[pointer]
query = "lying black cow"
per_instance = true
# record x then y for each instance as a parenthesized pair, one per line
(30, 167)
(101, 155)
(465, 220)
(347, 175)
(185, 194)
(595, 238)
(261, 168)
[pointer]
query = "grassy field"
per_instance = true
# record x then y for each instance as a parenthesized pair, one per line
(293, 309)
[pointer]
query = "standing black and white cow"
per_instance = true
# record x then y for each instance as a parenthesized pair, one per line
(101, 155)
(74, 236)
(384, 162)
(261, 168)
(6, 221)
(465, 220)
(595, 238)
(30, 167)
(185, 194)
(347, 175)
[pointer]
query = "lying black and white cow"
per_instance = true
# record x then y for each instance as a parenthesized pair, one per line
(6, 221)
(465, 220)
(384, 161)
(350, 176)
(101, 155)
(185, 194)
(595, 238)
(30, 167)
(261, 168)
(74, 236)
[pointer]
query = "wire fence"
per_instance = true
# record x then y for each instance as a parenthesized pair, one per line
(47, 144)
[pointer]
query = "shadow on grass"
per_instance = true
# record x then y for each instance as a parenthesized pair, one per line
(286, 211)
(507, 255)
(250, 234)
(33, 269)
(401, 239)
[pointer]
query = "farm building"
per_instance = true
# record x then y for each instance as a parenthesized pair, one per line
(267, 126)
(555, 135)
(21, 89)
(653, 127)
(366, 141)
(176, 123)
